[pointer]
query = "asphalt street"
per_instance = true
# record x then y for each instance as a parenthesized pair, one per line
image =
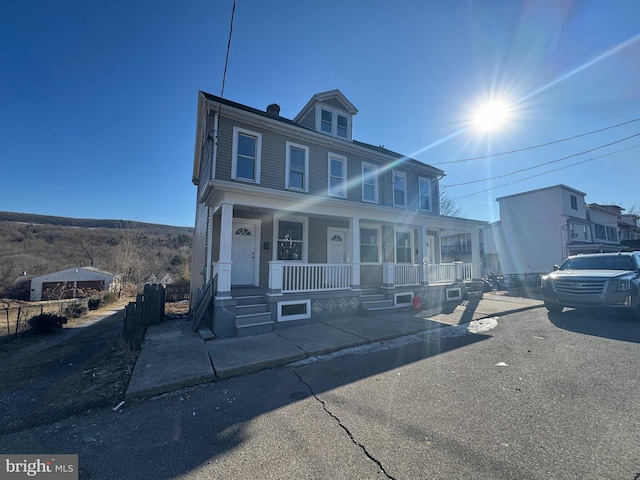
(532, 397)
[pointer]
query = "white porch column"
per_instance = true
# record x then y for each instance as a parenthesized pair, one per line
(475, 254)
(224, 258)
(355, 254)
(422, 254)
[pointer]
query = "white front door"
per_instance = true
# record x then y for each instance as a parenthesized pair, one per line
(430, 250)
(243, 253)
(337, 245)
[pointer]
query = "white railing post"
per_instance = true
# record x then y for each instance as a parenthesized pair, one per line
(275, 277)
(424, 272)
(459, 271)
(388, 275)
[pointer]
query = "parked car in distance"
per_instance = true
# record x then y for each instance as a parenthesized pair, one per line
(597, 280)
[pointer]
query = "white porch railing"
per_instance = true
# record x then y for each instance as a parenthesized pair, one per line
(293, 277)
(315, 277)
(441, 273)
(406, 275)
(452, 272)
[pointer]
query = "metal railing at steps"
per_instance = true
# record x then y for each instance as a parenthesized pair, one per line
(205, 297)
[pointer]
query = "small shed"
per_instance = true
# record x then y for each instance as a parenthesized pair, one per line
(72, 283)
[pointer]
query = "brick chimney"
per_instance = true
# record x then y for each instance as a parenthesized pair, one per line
(274, 109)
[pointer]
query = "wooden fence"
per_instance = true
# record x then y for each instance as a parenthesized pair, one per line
(176, 292)
(148, 309)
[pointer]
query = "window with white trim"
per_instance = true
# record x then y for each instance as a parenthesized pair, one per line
(425, 194)
(404, 246)
(245, 162)
(333, 123)
(297, 173)
(399, 189)
(369, 183)
(370, 245)
(290, 240)
(337, 175)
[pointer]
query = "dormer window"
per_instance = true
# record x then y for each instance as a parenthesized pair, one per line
(330, 113)
(333, 123)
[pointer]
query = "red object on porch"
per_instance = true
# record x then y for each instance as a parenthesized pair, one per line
(417, 303)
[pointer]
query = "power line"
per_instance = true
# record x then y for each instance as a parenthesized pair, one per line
(539, 145)
(226, 60)
(543, 164)
(549, 171)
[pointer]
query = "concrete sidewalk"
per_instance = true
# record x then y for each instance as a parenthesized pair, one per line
(173, 356)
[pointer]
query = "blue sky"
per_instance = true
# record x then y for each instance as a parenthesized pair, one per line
(98, 99)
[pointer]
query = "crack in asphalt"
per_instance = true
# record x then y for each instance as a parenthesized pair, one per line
(341, 425)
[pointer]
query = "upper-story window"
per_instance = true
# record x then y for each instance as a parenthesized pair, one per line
(334, 123)
(425, 194)
(399, 189)
(247, 147)
(297, 175)
(369, 183)
(574, 202)
(337, 175)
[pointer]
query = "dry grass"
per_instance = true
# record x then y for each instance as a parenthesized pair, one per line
(26, 310)
(177, 308)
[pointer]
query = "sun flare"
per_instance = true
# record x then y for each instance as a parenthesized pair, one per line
(491, 115)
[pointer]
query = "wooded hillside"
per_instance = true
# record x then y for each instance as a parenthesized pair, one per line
(40, 244)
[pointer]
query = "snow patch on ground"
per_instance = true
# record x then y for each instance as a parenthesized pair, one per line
(475, 327)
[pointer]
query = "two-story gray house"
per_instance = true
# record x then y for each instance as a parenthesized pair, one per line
(297, 221)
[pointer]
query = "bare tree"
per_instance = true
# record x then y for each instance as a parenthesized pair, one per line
(130, 252)
(448, 205)
(90, 246)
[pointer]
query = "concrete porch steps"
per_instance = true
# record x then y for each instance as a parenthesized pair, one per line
(372, 302)
(253, 316)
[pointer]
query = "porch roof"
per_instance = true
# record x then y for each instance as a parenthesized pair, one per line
(259, 199)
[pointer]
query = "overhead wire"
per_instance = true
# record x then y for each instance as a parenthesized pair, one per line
(539, 145)
(544, 163)
(226, 60)
(548, 172)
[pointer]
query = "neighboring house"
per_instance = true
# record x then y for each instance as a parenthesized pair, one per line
(72, 283)
(629, 226)
(540, 228)
(296, 220)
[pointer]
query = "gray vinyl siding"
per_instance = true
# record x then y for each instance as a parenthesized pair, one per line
(207, 154)
(273, 166)
(199, 254)
(309, 120)
(318, 238)
(225, 146)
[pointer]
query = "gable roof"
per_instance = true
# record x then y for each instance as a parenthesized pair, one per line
(203, 97)
(97, 271)
(323, 98)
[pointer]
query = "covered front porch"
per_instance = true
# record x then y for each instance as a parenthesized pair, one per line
(302, 261)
